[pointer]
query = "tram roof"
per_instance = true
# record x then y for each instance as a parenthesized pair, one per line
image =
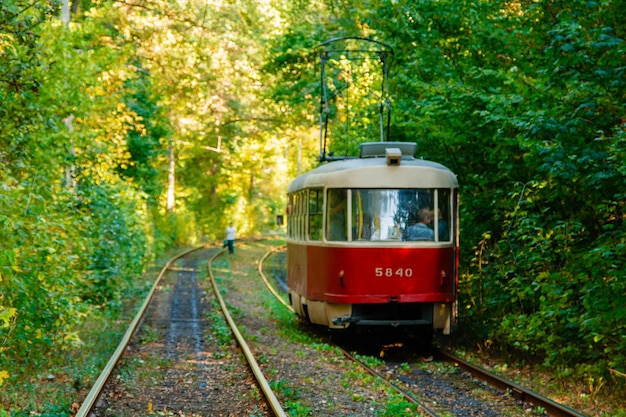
(375, 173)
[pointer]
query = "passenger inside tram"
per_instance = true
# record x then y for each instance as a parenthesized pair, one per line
(421, 230)
(442, 227)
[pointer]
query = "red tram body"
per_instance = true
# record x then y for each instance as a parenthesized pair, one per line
(352, 256)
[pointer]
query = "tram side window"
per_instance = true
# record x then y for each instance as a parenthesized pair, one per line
(301, 196)
(295, 220)
(316, 202)
(290, 215)
(443, 215)
(336, 215)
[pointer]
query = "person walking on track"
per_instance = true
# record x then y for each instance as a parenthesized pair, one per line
(230, 238)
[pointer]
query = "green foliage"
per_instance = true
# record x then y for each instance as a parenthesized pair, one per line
(220, 329)
(297, 409)
(21, 69)
(524, 101)
(397, 405)
(145, 139)
(118, 242)
(74, 234)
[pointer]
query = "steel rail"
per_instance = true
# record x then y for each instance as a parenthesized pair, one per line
(523, 394)
(254, 366)
(266, 281)
(96, 390)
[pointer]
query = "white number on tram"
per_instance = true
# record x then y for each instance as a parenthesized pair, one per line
(390, 272)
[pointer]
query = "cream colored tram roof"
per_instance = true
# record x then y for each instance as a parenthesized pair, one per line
(374, 173)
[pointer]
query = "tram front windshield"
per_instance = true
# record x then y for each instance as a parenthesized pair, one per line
(389, 215)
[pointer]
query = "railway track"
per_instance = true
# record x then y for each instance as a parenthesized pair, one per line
(413, 381)
(188, 365)
(178, 357)
(170, 362)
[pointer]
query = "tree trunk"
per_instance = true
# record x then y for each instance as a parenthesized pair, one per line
(171, 180)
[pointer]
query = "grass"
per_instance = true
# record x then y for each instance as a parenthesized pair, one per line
(219, 331)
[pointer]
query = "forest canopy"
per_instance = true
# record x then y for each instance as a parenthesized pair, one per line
(128, 127)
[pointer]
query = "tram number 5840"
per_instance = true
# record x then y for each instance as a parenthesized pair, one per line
(391, 272)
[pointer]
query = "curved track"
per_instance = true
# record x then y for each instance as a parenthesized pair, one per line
(516, 391)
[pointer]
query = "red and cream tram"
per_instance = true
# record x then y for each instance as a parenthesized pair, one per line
(353, 257)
